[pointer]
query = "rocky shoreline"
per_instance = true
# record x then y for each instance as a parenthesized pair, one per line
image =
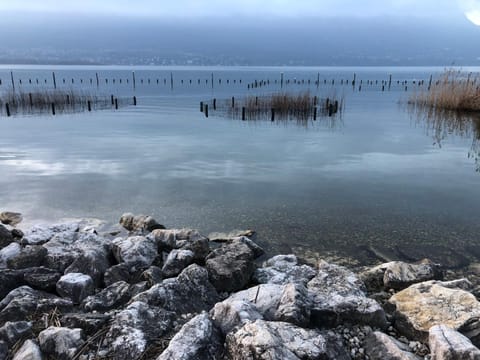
(70, 291)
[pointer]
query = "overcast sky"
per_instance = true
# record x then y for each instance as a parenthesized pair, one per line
(197, 8)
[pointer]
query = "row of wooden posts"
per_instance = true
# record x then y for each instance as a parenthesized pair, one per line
(53, 105)
(331, 107)
(386, 84)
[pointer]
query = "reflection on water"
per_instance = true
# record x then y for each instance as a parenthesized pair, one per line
(441, 124)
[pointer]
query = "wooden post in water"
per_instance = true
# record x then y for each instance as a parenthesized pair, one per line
(354, 79)
(98, 81)
(134, 101)
(116, 104)
(281, 80)
(201, 106)
(390, 82)
(314, 113)
(7, 109)
(89, 105)
(31, 100)
(233, 101)
(54, 80)
(430, 82)
(243, 113)
(206, 110)
(212, 80)
(112, 99)
(171, 81)
(133, 80)
(13, 82)
(53, 108)
(273, 114)
(214, 104)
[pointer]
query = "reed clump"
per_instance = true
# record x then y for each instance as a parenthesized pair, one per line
(454, 90)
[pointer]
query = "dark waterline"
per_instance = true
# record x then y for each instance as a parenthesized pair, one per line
(376, 177)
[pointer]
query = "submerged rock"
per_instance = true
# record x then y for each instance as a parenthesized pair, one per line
(338, 296)
(379, 346)
(198, 339)
(141, 223)
(442, 303)
(29, 351)
(75, 286)
(10, 218)
(279, 341)
(60, 342)
(448, 344)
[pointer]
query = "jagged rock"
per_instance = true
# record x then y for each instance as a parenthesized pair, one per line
(257, 250)
(448, 344)
(29, 351)
(338, 297)
(9, 280)
(189, 292)
(283, 269)
(10, 251)
(441, 303)
(90, 323)
(75, 286)
(6, 236)
(135, 250)
(379, 346)
(142, 223)
(294, 305)
(198, 339)
(230, 267)
(199, 246)
(10, 218)
(60, 342)
(30, 256)
(165, 239)
(134, 329)
(185, 239)
(23, 302)
(11, 332)
(265, 297)
(279, 341)
(114, 296)
(17, 234)
(40, 234)
(41, 278)
(153, 275)
(230, 314)
(120, 272)
(398, 275)
(176, 261)
(92, 262)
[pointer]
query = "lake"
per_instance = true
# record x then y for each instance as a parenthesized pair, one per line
(374, 181)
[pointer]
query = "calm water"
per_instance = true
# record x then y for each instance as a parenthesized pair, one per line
(376, 177)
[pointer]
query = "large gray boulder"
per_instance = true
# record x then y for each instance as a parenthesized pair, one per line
(198, 339)
(264, 340)
(379, 346)
(75, 286)
(399, 275)
(283, 269)
(28, 351)
(338, 297)
(90, 323)
(230, 267)
(442, 303)
(176, 261)
(135, 328)
(448, 344)
(60, 343)
(139, 223)
(189, 292)
(112, 297)
(24, 302)
(10, 251)
(135, 250)
(231, 314)
(92, 262)
(184, 239)
(6, 237)
(41, 278)
(11, 332)
(41, 234)
(29, 256)
(10, 280)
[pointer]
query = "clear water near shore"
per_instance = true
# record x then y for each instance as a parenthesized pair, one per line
(377, 176)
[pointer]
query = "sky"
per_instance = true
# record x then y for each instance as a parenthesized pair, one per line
(250, 8)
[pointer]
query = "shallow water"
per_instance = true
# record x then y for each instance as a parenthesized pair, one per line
(376, 176)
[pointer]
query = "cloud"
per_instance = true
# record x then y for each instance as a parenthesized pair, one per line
(202, 8)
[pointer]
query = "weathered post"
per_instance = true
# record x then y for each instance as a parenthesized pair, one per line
(212, 80)
(98, 80)
(354, 79)
(133, 80)
(273, 114)
(31, 99)
(54, 80)
(214, 104)
(13, 82)
(134, 101)
(89, 105)
(315, 113)
(53, 108)
(116, 104)
(243, 113)
(281, 80)
(7, 109)
(233, 101)
(201, 106)
(390, 82)
(171, 81)
(206, 110)
(112, 99)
